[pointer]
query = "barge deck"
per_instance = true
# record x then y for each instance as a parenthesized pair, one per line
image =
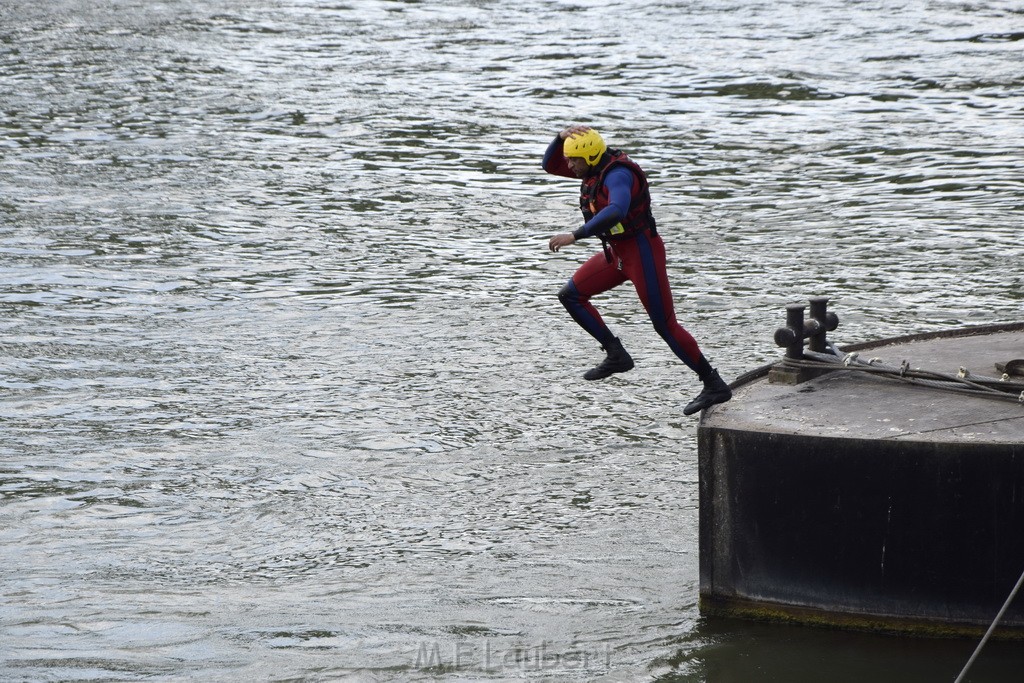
(851, 499)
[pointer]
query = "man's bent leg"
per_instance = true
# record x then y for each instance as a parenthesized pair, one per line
(646, 269)
(594, 277)
(649, 275)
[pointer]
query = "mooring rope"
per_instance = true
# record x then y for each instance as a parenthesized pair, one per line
(991, 629)
(963, 382)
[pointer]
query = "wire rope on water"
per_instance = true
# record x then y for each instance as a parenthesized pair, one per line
(988, 387)
(991, 629)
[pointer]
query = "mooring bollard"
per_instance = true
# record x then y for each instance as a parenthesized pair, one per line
(825, 321)
(792, 337)
(788, 336)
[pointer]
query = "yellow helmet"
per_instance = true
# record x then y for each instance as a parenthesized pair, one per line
(590, 146)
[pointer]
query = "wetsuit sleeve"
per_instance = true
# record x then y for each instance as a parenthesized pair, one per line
(619, 183)
(554, 161)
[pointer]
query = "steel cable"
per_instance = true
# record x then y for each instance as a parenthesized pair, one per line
(987, 387)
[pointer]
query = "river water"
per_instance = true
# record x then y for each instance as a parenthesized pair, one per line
(286, 390)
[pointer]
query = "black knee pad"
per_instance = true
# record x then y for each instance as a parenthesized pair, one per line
(568, 294)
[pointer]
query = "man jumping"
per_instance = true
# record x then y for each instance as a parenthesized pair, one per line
(616, 206)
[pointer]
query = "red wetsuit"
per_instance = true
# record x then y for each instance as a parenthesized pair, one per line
(636, 253)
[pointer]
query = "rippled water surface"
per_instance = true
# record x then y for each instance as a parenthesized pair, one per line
(286, 391)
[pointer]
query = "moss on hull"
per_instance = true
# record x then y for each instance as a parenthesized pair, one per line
(740, 608)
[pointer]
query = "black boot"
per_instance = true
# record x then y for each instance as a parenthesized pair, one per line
(715, 391)
(618, 360)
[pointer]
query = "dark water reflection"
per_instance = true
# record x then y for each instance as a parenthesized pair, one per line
(286, 390)
(725, 651)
